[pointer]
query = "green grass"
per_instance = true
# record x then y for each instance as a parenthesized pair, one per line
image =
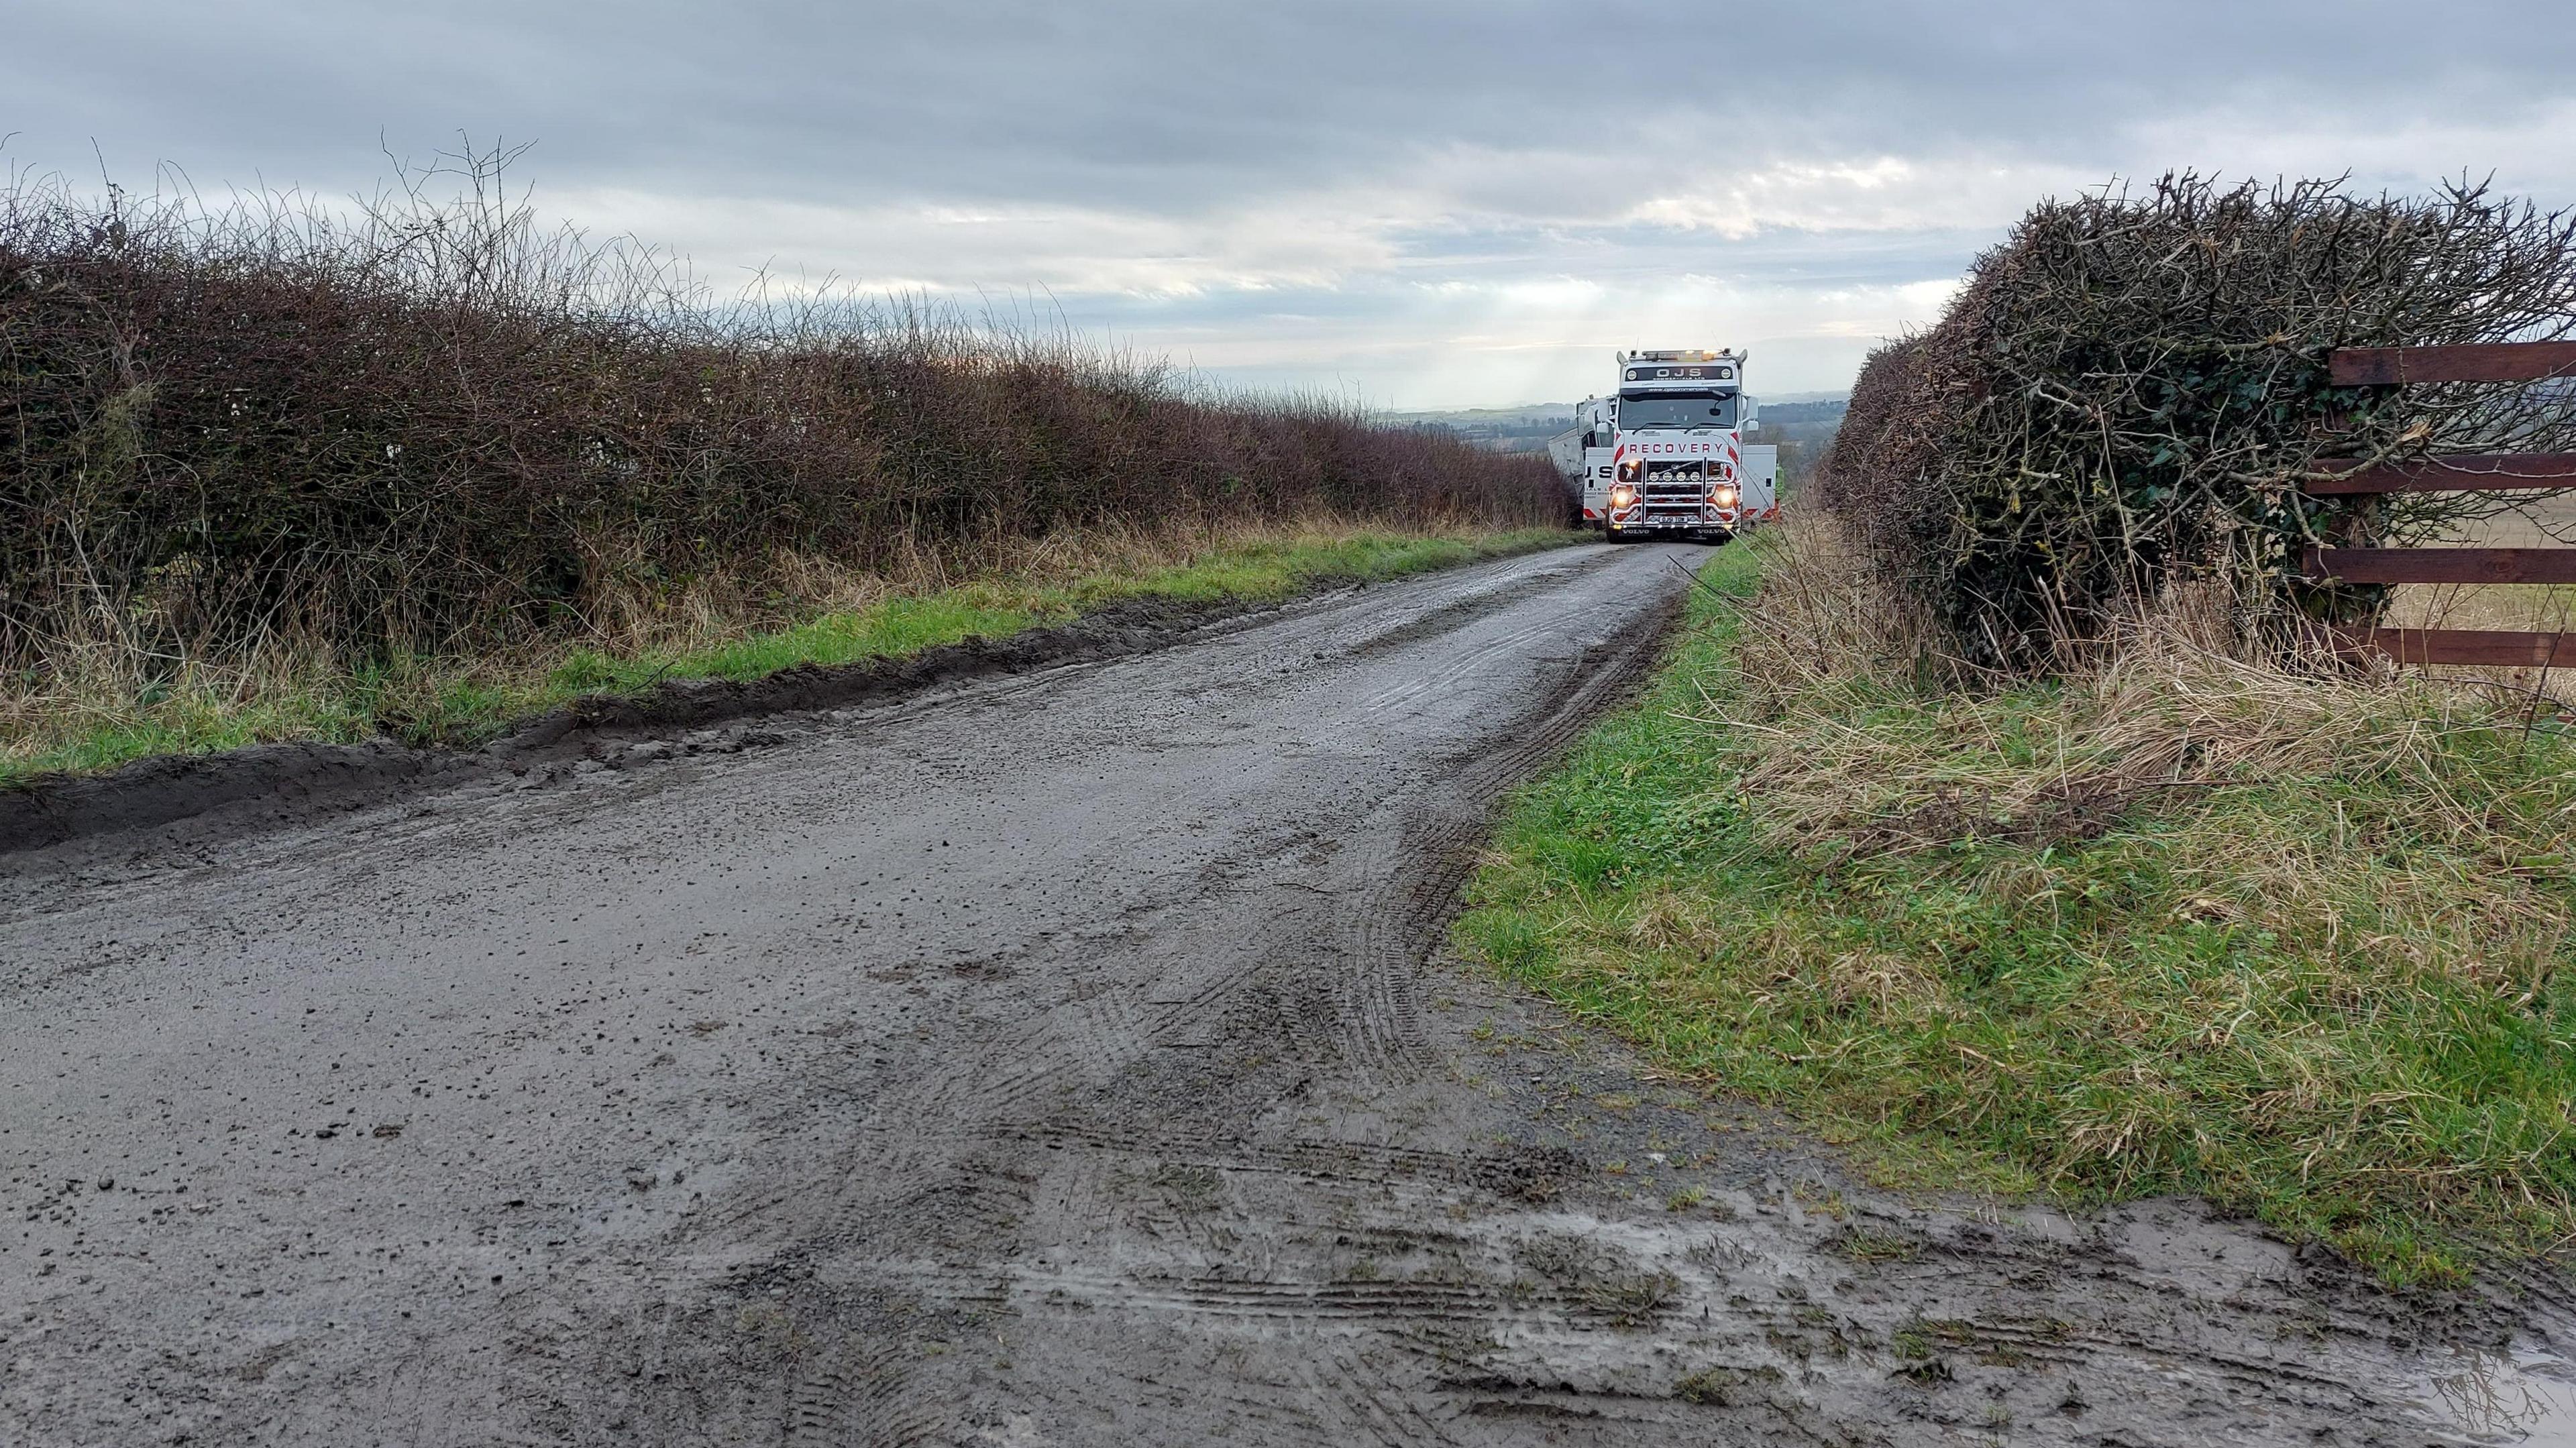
(2322, 990)
(464, 701)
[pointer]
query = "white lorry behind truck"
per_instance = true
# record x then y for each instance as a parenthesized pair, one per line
(1584, 453)
(1760, 480)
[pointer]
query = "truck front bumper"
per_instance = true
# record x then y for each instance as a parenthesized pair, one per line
(1642, 522)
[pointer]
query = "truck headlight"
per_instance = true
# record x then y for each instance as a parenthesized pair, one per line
(1622, 495)
(1722, 495)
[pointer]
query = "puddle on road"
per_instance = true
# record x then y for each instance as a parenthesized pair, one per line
(2525, 1397)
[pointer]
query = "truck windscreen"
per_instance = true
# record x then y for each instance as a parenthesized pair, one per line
(1676, 409)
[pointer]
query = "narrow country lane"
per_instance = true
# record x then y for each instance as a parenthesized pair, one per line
(1060, 1059)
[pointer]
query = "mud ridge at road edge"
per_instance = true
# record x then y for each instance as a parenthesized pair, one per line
(298, 781)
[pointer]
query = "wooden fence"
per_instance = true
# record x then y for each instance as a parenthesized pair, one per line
(2480, 472)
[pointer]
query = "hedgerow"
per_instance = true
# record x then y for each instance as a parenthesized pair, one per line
(425, 424)
(2129, 390)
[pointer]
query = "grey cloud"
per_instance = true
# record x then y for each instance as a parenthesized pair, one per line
(1486, 143)
(1131, 102)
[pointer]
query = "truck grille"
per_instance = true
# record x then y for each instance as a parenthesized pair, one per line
(1673, 497)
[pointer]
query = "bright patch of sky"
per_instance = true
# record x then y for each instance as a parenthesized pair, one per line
(1438, 204)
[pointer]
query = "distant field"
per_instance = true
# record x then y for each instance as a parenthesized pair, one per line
(2510, 606)
(1807, 423)
(2533, 530)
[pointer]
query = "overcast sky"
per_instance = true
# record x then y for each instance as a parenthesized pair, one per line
(1421, 204)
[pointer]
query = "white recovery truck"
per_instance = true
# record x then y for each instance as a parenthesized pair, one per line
(1666, 456)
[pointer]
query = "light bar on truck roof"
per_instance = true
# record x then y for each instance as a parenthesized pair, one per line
(1639, 371)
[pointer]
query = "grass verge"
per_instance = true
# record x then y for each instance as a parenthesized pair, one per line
(2174, 925)
(464, 700)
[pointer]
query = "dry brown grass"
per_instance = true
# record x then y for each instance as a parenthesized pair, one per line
(2446, 809)
(2169, 704)
(709, 611)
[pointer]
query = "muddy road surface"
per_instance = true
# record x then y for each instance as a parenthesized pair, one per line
(1060, 1059)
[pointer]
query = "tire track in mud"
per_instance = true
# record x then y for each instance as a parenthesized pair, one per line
(1432, 853)
(1395, 928)
(1084, 1041)
(1390, 932)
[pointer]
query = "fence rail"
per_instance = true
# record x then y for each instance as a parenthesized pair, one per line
(2493, 648)
(2460, 362)
(2467, 472)
(2460, 473)
(2443, 565)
